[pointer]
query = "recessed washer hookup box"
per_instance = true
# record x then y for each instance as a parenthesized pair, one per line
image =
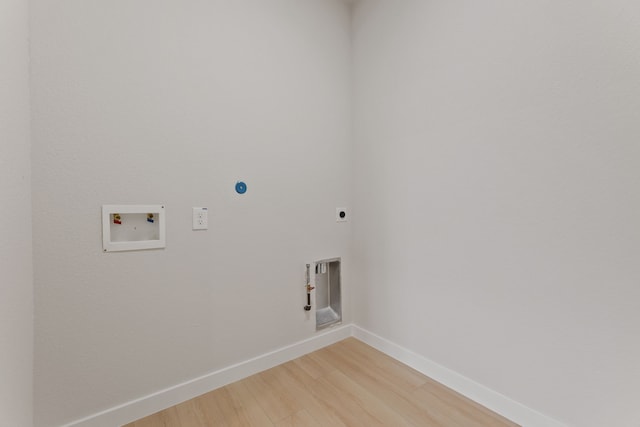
(133, 227)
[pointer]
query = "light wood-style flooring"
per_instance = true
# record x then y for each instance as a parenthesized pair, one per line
(345, 384)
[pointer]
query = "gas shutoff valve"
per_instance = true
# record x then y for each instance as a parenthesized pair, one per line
(309, 289)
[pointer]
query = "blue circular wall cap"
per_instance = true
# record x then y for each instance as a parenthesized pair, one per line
(241, 187)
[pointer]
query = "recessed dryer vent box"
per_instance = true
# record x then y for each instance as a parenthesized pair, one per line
(133, 227)
(328, 293)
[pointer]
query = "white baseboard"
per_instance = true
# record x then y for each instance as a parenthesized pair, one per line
(147, 405)
(492, 400)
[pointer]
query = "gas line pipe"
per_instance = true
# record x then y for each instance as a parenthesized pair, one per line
(309, 288)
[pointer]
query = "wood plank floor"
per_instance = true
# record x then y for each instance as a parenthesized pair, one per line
(346, 384)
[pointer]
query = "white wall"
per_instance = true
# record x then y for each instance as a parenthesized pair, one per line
(172, 102)
(497, 174)
(16, 271)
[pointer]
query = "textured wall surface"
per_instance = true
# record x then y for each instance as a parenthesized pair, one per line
(172, 102)
(16, 272)
(497, 195)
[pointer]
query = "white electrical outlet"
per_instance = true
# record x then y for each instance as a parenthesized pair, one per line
(342, 214)
(200, 218)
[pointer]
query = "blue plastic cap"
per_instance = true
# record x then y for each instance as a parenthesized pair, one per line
(241, 187)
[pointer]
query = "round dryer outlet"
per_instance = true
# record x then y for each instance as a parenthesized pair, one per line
(342, 214)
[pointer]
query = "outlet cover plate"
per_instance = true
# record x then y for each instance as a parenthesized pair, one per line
(200, 218)
(342, 214)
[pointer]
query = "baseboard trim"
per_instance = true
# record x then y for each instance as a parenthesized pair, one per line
(147, 405)
(492, 400)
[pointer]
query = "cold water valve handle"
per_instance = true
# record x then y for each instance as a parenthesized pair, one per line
(309, 289)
